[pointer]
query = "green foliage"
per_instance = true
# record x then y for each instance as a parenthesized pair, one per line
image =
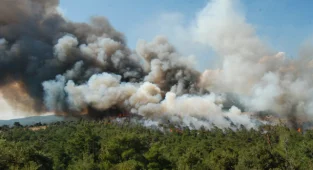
(87, 162)
(107, 145)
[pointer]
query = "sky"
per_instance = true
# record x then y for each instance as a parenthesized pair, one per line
(284, 25)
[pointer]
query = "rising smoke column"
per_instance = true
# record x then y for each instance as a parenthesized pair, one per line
(52, 64)
(37, 43)
(263, 80)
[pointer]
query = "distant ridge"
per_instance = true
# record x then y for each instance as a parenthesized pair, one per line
(33, 120)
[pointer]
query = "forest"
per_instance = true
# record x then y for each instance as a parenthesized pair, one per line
(104, 144)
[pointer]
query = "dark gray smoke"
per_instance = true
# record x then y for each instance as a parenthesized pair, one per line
(50, 64)
(45, 56)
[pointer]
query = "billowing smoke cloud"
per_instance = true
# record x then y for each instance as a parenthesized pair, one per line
(52, 64)
(262, 80)
(37, 43)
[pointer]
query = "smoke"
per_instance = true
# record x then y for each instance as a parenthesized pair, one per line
(37, 44)
(263, 80)
(50, 64)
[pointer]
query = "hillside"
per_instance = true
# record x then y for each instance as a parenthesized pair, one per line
(33, 120)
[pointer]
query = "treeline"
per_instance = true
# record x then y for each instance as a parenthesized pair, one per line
(105, 145)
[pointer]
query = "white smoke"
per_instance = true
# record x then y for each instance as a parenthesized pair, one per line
(64, 47)
(261, 79)
(54, 93)
(101, 49)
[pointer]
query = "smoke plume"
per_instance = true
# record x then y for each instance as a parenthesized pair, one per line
(50, 64)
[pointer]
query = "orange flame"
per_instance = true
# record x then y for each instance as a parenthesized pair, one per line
(175, 130)
(124, 114)
(299, 130)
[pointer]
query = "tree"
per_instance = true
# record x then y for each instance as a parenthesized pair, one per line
(17, 124)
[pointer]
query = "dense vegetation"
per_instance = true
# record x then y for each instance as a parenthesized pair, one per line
(103, 145)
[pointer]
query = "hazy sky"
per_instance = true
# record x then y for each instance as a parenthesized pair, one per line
(283, 24)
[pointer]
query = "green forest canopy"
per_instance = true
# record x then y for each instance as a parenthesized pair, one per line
(108, 145)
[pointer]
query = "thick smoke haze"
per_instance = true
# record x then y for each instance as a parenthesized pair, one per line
(50, 64)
